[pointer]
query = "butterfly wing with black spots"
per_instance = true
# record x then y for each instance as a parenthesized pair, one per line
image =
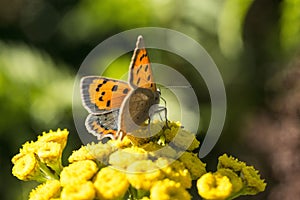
(103, 125)
(140, 69)
(100, 94)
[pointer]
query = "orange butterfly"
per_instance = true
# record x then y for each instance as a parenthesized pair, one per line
(116, 107)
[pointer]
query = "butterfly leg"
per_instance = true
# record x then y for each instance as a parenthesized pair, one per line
(158, 110)
(165, 109)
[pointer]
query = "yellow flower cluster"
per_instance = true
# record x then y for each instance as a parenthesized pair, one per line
(38, 160)
(232, 179)
(161, 167)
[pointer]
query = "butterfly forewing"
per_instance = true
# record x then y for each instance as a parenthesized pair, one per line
(140, 68)
(100, 94)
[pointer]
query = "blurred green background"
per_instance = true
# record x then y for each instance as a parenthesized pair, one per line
(255, 44)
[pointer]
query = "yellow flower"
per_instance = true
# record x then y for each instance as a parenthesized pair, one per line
(143, 174)
(98, 152)
(235, 180)
(158, 151)
(151, 146)
(84, 190)
(78, 172)
(145, 135)
(122, 158)
(175, 171)
(110, 184)
(50, 153)
(167, 190)
(214, 186)
(145, 198)
(120, 144)
(27, 167)
(181, 138)
(59, 136)
(46, 191)
(231, 163)
(254, 184)
(48, 148)
(81, 154)
(193, 164)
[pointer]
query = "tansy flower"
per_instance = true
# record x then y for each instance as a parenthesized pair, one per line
(98, 152)
(81, 154)
(145, 198)
(50, 153)
(147, 134)
(181, 138)
(59, 136)
(165, 151)
(122, 158)
(251, 178)
(230, 162)
(120, 144)
(143, 174)
(84, 190)
(193, 164)
(151, 146)
(252, 183)
(214, 186)
(234, 179)
(175, 171)
(78, 172)
(110, 184)
(168, 189)
(28, 167)
(45, 191)
(48, 148)
(28, 147)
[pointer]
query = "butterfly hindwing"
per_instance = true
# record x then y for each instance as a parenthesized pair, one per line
(100, 94)
(103, 125)
(140, 68)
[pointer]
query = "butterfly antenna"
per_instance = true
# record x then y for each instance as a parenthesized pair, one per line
(174, 86)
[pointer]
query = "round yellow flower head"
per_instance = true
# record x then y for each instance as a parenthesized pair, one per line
(50, 153)
(120, 144)
(110, 184)
(143, 174)
(181, 138)
(122, 158)
(162, 151)
(214, 186)
(231, 163)
(29, 147)
(168, 189)
(26, 167)
(254, 184)
(195, 166)
(81, 154)
(235, 180)
(84, 190)
(98, 152)
(59, 136)
(78, 172)
(175, 171)
(45, 191)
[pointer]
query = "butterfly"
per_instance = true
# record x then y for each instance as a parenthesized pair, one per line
(116, 107)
